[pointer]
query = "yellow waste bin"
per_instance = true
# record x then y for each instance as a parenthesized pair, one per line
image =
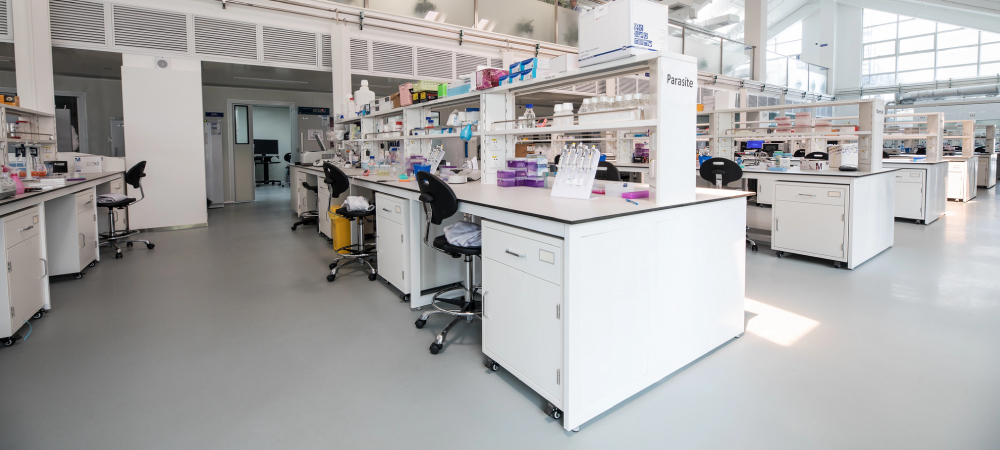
(340, 229)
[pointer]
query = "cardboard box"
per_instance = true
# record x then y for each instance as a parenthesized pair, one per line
(564, 63)
(88, 164)
(394, 98)
(621, 29)
(12, 100)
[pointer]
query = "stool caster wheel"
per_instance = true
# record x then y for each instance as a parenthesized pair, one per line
(420, 324)
(294, 227)
(78, 276)
(372, 276)
(7, 342)
(333, 265)
(39, 314)
(150, 246)
(92, 264)
(780, 254)
(118, 256)
(404, 298)
(128, 244)
(435, 348)
(552, 411)
(753, 247)
(836, 264)
(331, 277)
(492, 365)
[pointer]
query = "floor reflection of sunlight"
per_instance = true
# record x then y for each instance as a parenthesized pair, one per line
(777, 325)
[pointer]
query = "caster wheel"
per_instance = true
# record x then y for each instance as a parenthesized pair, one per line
(435, 348)
(150, 246)
(331, 277)
(404, 297)
(7, 342)
(420, 324)
(92, 264)
(78, 276)
(493, 365)
(552, 411)
(372, 276)
(753, 247)
(293, 228)
(836, 264)
(118, 256)
(333, 266)
(129, 245)
(38, 315)
(780, 254)
(329, 241)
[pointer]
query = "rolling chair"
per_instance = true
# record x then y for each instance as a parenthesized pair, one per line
(921, 150)
(113, 237)
(722, 171)
(799, 153)
(819, 155)
(440, 203)
(885, 154)
(288, 169)
(358, 253)
(610, 172)
(310, 217)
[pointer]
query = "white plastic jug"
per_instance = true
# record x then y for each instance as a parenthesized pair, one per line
(363, 95)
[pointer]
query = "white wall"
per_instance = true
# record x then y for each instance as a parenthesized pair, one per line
(847, 48)
(163, 116)
(274, 123)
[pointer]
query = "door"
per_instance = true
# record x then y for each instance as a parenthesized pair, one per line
(391, 252)
(522, 325)
(811, 228)
(25, 278)
(243, 167)
(87, 235)
(117, 138)
(909, 200)
(323, 206)
(956, 181)
(64, 131)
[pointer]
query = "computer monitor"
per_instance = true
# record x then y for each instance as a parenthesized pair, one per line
(265, 147)
(770, 148)
(756, 145)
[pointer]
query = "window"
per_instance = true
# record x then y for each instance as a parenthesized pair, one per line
(788, 42)
(902, 50)
(241, 115)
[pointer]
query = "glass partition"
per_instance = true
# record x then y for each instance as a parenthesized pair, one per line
(707, 48)
(776, 69)
(568, 27)
(798, 74)
(817, 78)
(529, 19)
(455, 12)
(736, 59)
(675, 39)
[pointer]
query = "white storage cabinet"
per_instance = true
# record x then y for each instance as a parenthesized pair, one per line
(391, 239)
(22, 290)
(72, 232)
(811, 219)
(986, 175)
(909, 199)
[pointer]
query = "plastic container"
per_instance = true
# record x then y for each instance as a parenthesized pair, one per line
(536, 182)
(519, 181)
(506, 174)
(636, 194)
(520, 163)
(421, 168)
(520, 173)
(506, 182)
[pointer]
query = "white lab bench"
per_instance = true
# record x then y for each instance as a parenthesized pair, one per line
(920, 189)
(846, 217)
(46, 233)
(962, 171)
(986, 173)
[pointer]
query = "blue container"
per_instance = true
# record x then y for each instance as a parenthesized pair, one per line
(421, 168)
(459, 90)
(702, 159)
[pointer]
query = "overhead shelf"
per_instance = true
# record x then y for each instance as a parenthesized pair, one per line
(574, 129)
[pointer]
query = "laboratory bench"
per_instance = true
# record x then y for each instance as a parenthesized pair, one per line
(962, 172)
(547, 284)
(920, 189)
(845, 217)
(46, 233)
(986, 173)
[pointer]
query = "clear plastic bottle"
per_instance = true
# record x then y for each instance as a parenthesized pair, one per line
(595, 104)
(529, 116)
(585, 107)
(619, 102)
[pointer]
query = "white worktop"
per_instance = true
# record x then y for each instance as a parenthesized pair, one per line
(40, 196)
(908, 161)
(822, 173)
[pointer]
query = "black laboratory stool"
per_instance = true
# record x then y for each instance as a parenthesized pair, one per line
(359, 253)
(819, 155)
(885, 154)
(114, 237)
(310, 217)
(288, 169)
(441, 203)
(720, 172)
(921, 150)
(799, 153)
(607, 172)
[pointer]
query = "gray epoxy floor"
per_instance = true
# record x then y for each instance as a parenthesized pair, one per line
(229, 337)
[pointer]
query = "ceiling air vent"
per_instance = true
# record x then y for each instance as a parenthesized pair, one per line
(466, 64)
(148, 28)
(392, 58)
(359, 55)
(327, 49)
(434, 63)
(289, 46)
(225, 38)
(70, 20)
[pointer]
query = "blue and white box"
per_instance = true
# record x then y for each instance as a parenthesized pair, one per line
(621, 29)
(534, 68)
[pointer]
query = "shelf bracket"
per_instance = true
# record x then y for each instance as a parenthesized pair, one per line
(461, 36)
(224, 4)
(536, 49)
(715, 79)
(361, 20)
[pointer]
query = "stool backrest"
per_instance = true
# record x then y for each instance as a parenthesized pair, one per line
(818, 155)
(336, 179)
(438, 196)
(134, 178)
(799, 153)
(720, 171)
(610, 172)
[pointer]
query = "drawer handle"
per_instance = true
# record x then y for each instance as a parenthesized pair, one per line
(27, 228)
(486, 314)
(45, 263)
(88, 202)
(515, 254)
(808, 195)
(386, 210)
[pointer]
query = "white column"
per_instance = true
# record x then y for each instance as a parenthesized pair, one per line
(340, 45)
(755, 34)
(871, 118)
(33, 55)
(673, 82)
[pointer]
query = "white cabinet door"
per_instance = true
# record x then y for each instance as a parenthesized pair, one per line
(810, 228)
(391, 253)
(323, 203)
(88, 237)
(956, 184)
(25, 279)
(909, 200)
(522, 326)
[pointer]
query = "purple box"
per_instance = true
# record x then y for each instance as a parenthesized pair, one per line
(511, 164)
(537, 182)
(520, 173)
(506, 182)
(532, 166)
(506, 174)
(519, 181)
(520, 163)
(635, 194)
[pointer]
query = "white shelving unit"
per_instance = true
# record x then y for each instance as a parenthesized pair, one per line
(23, 126)
(921, 186)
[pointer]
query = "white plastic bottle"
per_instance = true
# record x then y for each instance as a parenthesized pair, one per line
(352, 108)
(557, 115)
(363, 95)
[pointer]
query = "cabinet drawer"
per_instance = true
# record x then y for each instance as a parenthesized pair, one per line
(910, 175)
(804, 193)
(20, 226)
(389, 207)
(956, 167)
(530, 252)
(117, 187)
(85, 201)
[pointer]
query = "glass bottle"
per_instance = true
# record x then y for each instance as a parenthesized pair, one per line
(529, 116)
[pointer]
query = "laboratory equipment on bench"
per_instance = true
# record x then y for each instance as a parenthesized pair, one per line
(577, 171)
(8, 188)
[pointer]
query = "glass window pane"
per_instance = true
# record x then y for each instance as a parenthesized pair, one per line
(989, 52)
(736, 59)
(916, 44)
(798, 74)
(675, 39)
(569, 31)
(530, 19)
(956, 56)
(458, 12)
(872, 17)
(880, 65)
(879, 33)
(915, 27)
(817, 79)
(958, 38)
(989, 37)
(792, 33)
(986, 70)
(957, 72)
(704, 47)
(916, 61)
(789, 48)
(882, 49)
(240, 118)
(776, 71)
(918, 76)
(946, 27)
(878, 80)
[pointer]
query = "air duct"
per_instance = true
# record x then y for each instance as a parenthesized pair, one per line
(936, 94)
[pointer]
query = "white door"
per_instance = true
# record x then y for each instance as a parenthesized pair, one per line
(809, 228)
(909, 200)
(391, 252)
(243, 166)
(522, 325)
(88, 237)
(25, 278)
(323, 205)
(956, 184)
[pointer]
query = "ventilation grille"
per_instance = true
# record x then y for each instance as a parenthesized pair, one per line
(626, 86)
(466, 64)
(588, 88)
(225, 38)
(70, 20)
(327, 56)
(434, 63)
(359, 55)
(5, 24)
(392, 58)
(496, 63)
(289, 46)
(145, 28)
(602, 87)
(642, 85)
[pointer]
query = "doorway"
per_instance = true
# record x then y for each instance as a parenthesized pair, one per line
(261, 136)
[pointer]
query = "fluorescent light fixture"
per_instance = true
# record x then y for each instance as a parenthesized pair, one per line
(782, 327)
(269, 80)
